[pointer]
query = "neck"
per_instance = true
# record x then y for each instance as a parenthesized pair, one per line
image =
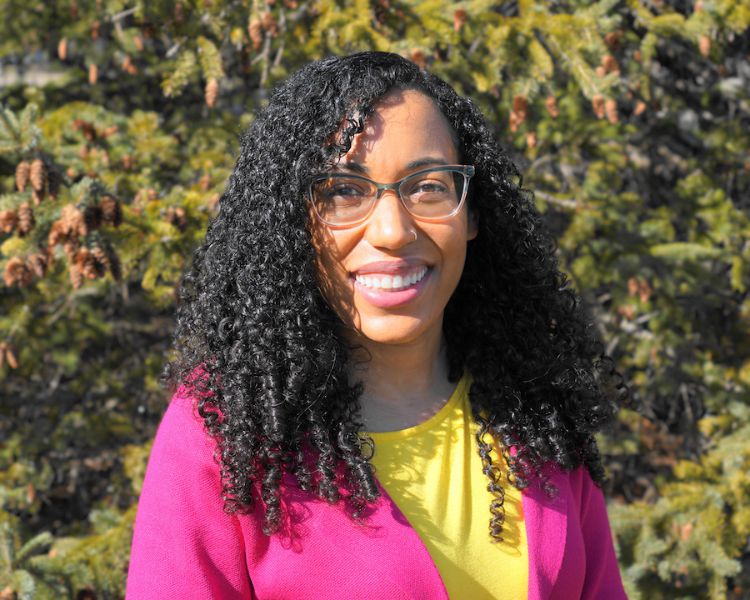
(404, 384)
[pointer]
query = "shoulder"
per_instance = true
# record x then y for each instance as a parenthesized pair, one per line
(587, 495)
(181, 435)
(182, 466)
(184, 544)
(576, 486)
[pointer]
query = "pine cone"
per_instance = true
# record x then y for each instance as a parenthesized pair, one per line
(92, 216)
(520, 105)
(38, 263)
(212, 92)
(26, 219)
(213, 201)
(73, 222)
(13, 364)
(38, 175)
(85, 261)
(514, 122)
(17, 273)
(62, 49)
(704, 45)
(640, 108)
(37, 197)
(93, 74)
(612, 40)
(8, 220)
(111, 211)
(255, 31)
(76, 277)
(109, 131)
(418, 58)
(89, 131)
(71, 248)
(597, 103)
(104, 262)
(178, 13)
(177, 217)
(269, 23)
(610, 108)
(551, 105)
(101, 257)
(519, 112)
(23, 171)
(56, 235)
(610, 64)
(459, 19)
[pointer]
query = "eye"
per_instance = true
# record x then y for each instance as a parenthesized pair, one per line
(435, 187)
(341, 191)
(346, 190)
(429, 186)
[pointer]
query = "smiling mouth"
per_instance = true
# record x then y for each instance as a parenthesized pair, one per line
(391, 283)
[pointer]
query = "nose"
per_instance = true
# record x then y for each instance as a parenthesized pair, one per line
(390, 225)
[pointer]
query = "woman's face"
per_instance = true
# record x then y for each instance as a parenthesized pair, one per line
(355, 265)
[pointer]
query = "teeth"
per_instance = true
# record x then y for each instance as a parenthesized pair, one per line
(386, 282)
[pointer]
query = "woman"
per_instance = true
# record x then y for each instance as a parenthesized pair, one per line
(387, 389)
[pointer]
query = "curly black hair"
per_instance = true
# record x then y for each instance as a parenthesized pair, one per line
(261, 348)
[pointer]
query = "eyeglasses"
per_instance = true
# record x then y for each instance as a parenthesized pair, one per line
(434, 194)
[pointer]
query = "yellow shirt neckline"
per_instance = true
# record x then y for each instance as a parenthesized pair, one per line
(430, 422)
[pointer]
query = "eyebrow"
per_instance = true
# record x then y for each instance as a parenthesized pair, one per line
(421, 162)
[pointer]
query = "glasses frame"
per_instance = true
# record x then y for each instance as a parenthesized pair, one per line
(466, 170)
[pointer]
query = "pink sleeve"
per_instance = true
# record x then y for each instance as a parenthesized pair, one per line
(603, 580)
(184, 545)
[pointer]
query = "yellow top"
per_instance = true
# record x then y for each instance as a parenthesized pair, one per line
(433, 473)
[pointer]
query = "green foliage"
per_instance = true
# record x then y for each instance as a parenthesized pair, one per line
(693, 537)
(629, 120)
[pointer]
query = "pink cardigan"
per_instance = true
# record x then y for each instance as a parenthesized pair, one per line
(186, 547)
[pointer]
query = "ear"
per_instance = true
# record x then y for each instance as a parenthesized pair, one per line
(472, 225)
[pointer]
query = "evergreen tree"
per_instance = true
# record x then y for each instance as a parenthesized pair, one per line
(118, 128)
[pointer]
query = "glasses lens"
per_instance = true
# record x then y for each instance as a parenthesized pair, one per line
(433, 194)
(342, 199)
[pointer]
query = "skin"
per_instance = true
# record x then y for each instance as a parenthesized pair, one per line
(405, 377)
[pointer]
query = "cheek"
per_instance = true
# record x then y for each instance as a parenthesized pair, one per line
(331, 250)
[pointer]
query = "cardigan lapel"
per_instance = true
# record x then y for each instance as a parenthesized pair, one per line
(401, 554)
(546, 534)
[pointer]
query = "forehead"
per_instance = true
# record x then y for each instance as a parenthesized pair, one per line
(405, 125)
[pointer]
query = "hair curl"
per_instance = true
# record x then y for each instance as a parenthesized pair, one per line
(274, 390)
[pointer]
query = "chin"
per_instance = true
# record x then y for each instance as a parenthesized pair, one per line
(392, 329)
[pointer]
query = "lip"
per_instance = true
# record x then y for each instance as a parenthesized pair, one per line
(387, 298)
(391, 267)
